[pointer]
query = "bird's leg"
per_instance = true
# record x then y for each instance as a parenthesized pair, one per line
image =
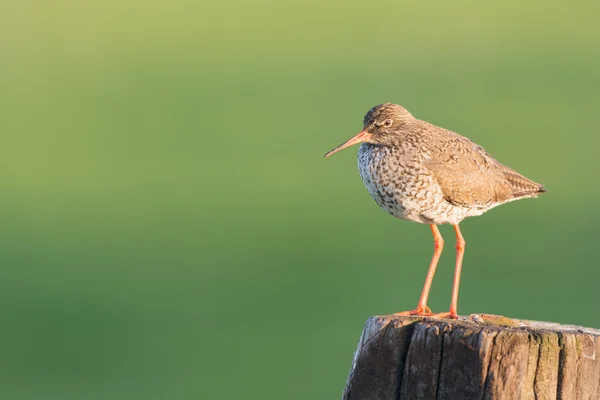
(460, 251)
(438, 246)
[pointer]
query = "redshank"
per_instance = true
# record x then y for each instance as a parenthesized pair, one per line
(423, 173)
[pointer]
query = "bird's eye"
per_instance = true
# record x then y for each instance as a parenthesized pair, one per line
(387, 122)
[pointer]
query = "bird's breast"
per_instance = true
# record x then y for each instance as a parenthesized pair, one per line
(383, 173)
(398, 182)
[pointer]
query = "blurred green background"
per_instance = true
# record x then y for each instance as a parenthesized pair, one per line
(170, 230)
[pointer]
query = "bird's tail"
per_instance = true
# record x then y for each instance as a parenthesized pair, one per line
(522, 186)
(530, 193)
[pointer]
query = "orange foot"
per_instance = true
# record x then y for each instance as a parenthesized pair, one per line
(420, 310)
(449, 314)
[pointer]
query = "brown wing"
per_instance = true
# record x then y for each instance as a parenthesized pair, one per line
(470, 177)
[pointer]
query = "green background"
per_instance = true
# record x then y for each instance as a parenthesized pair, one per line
(170, 230)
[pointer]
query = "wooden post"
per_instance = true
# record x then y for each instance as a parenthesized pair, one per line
(477, 357)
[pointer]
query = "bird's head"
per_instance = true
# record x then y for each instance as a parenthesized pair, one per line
(380, 126)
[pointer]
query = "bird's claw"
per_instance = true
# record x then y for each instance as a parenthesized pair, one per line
(423, 311)
(449, 314)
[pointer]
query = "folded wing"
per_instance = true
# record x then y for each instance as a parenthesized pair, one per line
(470, 177)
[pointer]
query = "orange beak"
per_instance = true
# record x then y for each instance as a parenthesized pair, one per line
(361, 137)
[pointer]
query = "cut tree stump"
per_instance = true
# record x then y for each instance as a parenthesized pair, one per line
(477, 357)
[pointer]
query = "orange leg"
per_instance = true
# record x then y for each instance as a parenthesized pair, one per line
(460, 251)
(438, 246)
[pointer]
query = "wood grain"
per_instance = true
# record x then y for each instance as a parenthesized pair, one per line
(476, 357)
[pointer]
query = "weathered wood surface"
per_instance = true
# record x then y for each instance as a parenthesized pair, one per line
(476, 357)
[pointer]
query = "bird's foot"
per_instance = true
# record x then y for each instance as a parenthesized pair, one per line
(449, 314)
(420, 310)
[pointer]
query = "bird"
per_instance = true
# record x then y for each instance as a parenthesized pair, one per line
(427, 174)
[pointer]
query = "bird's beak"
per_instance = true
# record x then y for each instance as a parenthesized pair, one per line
(361, 137)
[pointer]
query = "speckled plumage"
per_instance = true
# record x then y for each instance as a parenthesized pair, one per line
(423, 173)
